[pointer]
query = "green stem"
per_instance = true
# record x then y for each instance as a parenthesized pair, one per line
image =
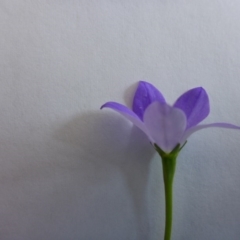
(169, 165)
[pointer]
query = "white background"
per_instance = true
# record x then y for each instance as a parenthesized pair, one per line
(69, 171)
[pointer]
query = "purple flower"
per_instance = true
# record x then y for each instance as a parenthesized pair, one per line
(165, 125)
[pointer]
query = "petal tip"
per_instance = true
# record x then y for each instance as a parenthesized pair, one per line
(102, 106)
(200, 89)
(142, 82)
(107, 104)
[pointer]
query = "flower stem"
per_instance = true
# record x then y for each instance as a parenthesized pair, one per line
(169, 165)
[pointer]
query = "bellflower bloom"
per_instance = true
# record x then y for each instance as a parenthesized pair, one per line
(168, 128)
(165, 125)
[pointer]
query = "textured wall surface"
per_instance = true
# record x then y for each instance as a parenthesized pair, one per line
(69, 171)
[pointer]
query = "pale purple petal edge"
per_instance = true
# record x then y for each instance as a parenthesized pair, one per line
(190, 131)
(129, 114)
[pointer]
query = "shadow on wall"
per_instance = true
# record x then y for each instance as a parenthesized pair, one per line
(110, 144)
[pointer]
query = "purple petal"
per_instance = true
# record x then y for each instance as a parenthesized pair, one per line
(190, 131)
(145, 94)
(165, 124)
(195, 104)
(127, 113)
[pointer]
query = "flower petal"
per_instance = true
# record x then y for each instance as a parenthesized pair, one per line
(195, 104)
(190, 131)
(165, 124)
(127, 113)
(145, 94)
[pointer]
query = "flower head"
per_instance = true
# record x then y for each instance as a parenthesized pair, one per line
(167, 126)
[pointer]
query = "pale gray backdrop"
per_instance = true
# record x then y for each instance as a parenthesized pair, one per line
(69, 171)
